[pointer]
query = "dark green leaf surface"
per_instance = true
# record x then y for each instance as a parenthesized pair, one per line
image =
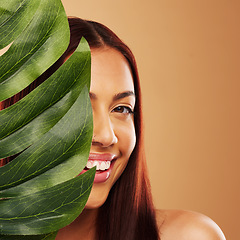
(70, 136)
(51, 128)
(43, 41)
(58, 156)
(47, 210)
(14, 17)
(35, 114)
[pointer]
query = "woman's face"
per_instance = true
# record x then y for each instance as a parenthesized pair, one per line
(113, 100)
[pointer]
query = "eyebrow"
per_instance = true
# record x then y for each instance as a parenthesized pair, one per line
(116, 96)
(123, 95)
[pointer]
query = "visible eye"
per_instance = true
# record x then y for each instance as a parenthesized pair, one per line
(123, 109)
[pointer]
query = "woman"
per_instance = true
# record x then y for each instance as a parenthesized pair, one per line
(120, 204)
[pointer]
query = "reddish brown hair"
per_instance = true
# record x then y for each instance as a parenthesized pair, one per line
(128, 212)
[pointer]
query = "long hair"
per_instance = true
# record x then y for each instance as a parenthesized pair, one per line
(128, 213)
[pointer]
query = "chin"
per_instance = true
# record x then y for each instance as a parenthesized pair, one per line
(97, 197)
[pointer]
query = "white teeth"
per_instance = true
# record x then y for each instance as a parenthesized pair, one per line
(94, 163)
(100, 165)
(89, 164)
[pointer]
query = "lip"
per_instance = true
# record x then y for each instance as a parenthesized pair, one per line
(102, 176)
(102, 156)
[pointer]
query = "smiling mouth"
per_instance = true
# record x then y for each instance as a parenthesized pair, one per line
(102, 161)
(104, 164)
(100, 165)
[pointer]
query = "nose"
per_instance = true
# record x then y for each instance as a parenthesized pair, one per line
(103, 131)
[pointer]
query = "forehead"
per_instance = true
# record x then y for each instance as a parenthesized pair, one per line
(110, 71)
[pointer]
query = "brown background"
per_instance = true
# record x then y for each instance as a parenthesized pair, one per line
(188, 55)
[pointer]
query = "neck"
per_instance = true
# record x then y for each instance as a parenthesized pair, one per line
(84, 226)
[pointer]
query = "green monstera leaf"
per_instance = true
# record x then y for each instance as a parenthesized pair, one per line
(41, 190)
(43, 40)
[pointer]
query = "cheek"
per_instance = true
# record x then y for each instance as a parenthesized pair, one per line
(126, 138)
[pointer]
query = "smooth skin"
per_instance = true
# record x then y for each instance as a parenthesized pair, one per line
(113, 100)
(187, 225)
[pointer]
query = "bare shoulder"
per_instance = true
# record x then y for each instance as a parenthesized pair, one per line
(185, 225)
